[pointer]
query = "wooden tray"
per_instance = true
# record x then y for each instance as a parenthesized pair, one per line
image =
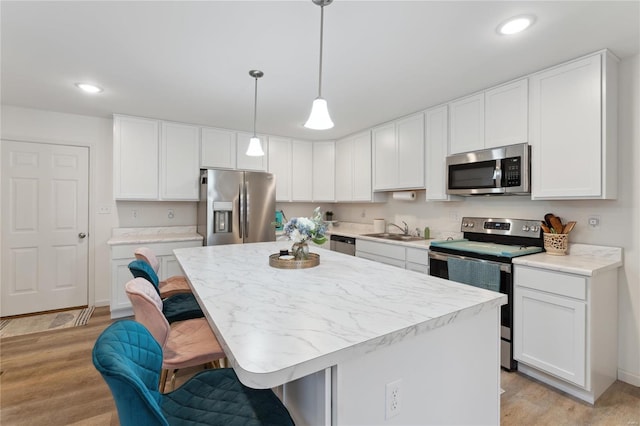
(276, 262)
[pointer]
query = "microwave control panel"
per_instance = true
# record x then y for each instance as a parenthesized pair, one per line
(511, 171)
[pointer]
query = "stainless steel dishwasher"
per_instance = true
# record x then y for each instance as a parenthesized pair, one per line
(342, 244)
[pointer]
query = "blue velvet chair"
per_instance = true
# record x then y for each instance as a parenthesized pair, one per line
(179, 307)
(130, 360)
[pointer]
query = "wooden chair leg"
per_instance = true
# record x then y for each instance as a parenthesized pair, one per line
(163, 379)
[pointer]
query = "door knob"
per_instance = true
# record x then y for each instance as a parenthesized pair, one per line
(82, 235)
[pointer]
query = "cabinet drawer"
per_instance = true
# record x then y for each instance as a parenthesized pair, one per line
(381, 259)
(419, 256)
(381, 249)
(125, 251)
(551, 282)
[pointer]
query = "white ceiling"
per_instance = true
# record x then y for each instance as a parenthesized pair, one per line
(189, 61)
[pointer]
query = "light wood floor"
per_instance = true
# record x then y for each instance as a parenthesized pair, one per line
(49, 379)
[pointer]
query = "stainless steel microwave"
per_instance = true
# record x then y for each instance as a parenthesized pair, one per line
(495, 171)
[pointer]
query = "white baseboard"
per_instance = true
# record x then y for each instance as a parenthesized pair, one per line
(100, 303)
(629, 377)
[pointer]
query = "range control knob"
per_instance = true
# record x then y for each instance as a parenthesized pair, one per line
(525, 228)
(470, 224)
(535, 228)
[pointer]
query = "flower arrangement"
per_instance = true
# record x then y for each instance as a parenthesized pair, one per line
(302, 229)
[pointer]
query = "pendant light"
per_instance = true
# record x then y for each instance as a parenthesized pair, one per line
(319, 118)
(255, 147)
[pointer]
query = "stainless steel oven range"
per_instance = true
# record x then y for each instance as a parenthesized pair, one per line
(483, 259)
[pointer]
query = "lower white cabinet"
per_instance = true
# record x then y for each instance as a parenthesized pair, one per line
(565, 329)
(414, 259)
(122, 255)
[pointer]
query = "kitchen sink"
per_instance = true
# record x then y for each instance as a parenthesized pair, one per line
(394, 237)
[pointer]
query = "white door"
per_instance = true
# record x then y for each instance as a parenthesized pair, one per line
(45, 219)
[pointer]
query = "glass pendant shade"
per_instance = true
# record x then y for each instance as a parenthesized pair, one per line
(319, 118)
(255, 147)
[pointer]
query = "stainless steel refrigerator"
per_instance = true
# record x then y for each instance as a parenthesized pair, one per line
(236, 207)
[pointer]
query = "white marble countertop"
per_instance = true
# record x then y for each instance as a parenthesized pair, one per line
(153, 235)
(277, 325)
(357, 230)
(581, 259)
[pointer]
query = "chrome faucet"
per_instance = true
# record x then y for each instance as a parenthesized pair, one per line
(405, 230)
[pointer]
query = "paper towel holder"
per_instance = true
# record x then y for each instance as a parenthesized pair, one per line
(404, 195)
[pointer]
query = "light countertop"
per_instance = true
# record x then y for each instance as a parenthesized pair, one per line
(581, 259)
(277, 325)
(153, 235)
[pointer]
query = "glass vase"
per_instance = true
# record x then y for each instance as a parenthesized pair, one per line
(300, 251)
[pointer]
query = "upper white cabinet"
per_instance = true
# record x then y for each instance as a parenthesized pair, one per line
(301, 171)
(436, 146)
(398, 154)
(573, 132)
(179, 162)
(217, 149)
(246, 162)
(506, 115)
(280, 166)
(353, 169)
(467, 123)
(154, 160)
(495, 117)
(323, 180)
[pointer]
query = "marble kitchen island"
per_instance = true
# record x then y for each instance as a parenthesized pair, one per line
(336, 340)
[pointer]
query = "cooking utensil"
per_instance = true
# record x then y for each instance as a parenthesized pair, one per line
(544, 227)
(556, 223)
(568, 227)
(547, 218)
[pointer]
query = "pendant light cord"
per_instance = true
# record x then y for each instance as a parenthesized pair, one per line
(255, 107)
(321, 37)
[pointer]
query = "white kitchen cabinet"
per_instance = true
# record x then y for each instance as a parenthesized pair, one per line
(179, 162)
(506, 114)
(280, 166)
(324, 159)
(573, 131)
(301, 171)
(565, 331)
(436, 147)
(246, 162)
(466, 124)
(353, 169)
(135, 158)
(122, 255)
(412, 258)
(398, 154)
(217, 149)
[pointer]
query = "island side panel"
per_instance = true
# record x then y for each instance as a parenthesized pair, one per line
(450, 375)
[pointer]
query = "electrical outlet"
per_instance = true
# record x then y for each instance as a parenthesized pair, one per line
(104, 209)
(134, 214)
(170, 214)
(393, 399)
(594, 222)
(453, 215)
(364, 213)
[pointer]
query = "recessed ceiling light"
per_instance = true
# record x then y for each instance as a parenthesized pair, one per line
(89, 88)
(516, 24)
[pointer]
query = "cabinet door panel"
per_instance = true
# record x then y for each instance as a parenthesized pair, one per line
(301, 171)
(550, 334)
(179, 162)
(280, 166)
(362, 168)
(410, 145)
(506, 114)
(466, 125)
(344, 170)
(324, 171)
(566, 138)
(385, 158)
(135, 158)
(436, 142)
(218, 149)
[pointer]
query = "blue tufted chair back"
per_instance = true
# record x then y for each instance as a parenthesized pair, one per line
(130, 360)
(141, 269)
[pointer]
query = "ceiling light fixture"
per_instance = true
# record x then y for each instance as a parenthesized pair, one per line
(319, 118)
(89, 88)
(255, 147)
(516, 24)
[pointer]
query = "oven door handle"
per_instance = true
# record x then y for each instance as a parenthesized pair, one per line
(505, 267)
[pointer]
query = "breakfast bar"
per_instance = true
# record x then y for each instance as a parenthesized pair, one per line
(352, 341)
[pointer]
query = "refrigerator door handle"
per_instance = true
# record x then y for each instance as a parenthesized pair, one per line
(240, 212)
(246, 211)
